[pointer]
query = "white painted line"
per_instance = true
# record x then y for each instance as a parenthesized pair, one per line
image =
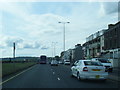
(15, 75)
(53, 72)
(58, 78)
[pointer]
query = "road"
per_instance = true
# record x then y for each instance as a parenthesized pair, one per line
(47, 76)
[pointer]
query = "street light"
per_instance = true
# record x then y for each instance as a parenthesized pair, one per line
(64, 32)
(54, 44)
(53, 50)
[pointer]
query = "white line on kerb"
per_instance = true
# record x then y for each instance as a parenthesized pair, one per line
(58, 78)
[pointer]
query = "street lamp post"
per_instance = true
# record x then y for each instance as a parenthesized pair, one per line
(54, 49)
(14, 55)
(54, 44)
(64, 33)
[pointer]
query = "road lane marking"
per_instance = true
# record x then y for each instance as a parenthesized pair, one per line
(53, 72)
(15, 75)
(58, 78)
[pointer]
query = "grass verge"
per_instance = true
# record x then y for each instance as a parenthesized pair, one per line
(10, 68)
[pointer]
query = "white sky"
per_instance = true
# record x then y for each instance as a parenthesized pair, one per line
(34, 25)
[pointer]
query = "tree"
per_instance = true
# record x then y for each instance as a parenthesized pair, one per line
(57, 58)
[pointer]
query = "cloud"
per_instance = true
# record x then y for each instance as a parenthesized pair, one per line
(40, 26)
(15, 9)
(101, 10)
(7, 41)
(44, 48)
(36, 31)
(31, 45)
(110, 7)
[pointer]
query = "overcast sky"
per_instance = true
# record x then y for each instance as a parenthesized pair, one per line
(33, 26)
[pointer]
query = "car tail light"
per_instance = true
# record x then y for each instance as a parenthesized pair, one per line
(106, 70)
(85, 69)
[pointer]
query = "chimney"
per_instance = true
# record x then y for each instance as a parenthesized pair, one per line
(110, 26)
(77, 45)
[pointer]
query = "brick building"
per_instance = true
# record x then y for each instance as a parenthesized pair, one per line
(112, 36)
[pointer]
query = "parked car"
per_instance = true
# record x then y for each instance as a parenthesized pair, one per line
(67, 62)
(105, 62)
(54, 63)
(60, 62)
(87, 69)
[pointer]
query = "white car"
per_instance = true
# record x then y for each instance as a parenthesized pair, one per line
(67, 62)
(105, 62)
(54, 63)
(87, 69)
(60, 62)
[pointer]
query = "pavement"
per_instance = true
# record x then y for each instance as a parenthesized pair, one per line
(115, 75)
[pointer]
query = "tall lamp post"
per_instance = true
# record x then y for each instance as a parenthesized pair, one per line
(64, 33)
(54, 44)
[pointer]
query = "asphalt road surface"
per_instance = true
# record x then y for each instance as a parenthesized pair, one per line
(47, 76)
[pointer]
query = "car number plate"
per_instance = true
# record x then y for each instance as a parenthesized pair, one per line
(96, 69)
(97, 76)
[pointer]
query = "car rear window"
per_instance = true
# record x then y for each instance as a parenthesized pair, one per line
(104, 60)
(67, 61)
(92, 63)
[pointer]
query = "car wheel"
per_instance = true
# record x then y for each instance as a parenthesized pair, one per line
(78, 76)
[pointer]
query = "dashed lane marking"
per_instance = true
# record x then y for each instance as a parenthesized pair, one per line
(58, 78)
(53, 72)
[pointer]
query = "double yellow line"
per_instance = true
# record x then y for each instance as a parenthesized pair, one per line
(15, 76)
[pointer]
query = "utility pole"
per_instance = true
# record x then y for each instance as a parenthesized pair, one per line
(14, 50)
(14, 55)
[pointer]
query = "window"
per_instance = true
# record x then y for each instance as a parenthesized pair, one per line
(79, 63)
(76, 63)
(104, 60)
(92, 63)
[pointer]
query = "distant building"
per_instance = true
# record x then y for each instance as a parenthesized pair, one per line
(78, 52)
(84, 48)
(73, 54)
(67, 55)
